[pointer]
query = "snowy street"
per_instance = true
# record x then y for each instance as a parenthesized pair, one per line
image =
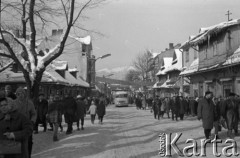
(126, 132)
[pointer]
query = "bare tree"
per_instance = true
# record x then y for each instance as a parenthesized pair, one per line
(133, 76)
(144, 64)
(22, 51)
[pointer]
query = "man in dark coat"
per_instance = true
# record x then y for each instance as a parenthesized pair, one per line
(171, 104)
(230, 113)
(159, 104)
(175, 108)
(216, 116)
(182, 107)
(42, 109)
(138, 102)
(101, 109)
(9, 93)
(81, 111)
(155, 108)
(206, 113)
(69, 111)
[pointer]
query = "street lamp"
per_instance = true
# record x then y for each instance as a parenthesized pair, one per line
(103, 56)
(92, 68)
(106, 85)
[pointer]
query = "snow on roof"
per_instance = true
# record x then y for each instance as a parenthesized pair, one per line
(75, 81)
(165, 85)
(176, 63)
(73, 70)
(59, 65)
(82, 82)
(54, 77)
(154, 54)
(48, 77)
(192, 68)
(167, 61)
(156, 85)
(234, 58)
(85, 40)
(206, 33)
(208, 68)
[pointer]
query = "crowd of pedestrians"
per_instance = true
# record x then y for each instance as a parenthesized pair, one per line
(20, 117)
(213, 112)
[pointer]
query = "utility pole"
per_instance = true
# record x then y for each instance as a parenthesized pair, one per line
(228, 15)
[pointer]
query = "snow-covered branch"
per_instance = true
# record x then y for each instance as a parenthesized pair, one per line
(42, 60)
(4, 54)
(18, 40)
(6, 66)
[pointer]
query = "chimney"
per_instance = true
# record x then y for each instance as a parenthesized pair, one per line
(54, 32)
(171, 46)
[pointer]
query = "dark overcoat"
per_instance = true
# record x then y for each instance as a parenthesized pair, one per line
(101, 108)
(81, 109)
(183, 106)
(155, 106)
(206, 112)
(22, 129)
(42, 109)
(70, 110)
(230, 111)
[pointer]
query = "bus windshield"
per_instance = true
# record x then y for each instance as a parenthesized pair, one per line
(121, 96)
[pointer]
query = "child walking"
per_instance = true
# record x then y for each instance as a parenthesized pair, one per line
(92, 111)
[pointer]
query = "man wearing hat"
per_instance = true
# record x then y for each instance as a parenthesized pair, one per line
(81, 111)
(42, 109)
(206, 113)
(230, 111)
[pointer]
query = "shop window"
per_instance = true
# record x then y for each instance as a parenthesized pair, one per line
(227, 89)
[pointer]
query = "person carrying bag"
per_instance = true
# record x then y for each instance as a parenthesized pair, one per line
(15, 129)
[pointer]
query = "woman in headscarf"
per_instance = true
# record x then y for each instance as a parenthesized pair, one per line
(14, 126)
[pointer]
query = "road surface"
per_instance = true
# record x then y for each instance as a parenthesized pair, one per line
(125, 133)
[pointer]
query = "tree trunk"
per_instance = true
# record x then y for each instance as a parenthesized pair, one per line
(33, 89)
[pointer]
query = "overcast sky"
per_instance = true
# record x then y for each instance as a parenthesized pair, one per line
(132, 26)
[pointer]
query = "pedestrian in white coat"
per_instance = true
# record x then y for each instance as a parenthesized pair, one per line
(93, 110)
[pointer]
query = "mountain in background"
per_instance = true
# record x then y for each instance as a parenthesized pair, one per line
(119, 73)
